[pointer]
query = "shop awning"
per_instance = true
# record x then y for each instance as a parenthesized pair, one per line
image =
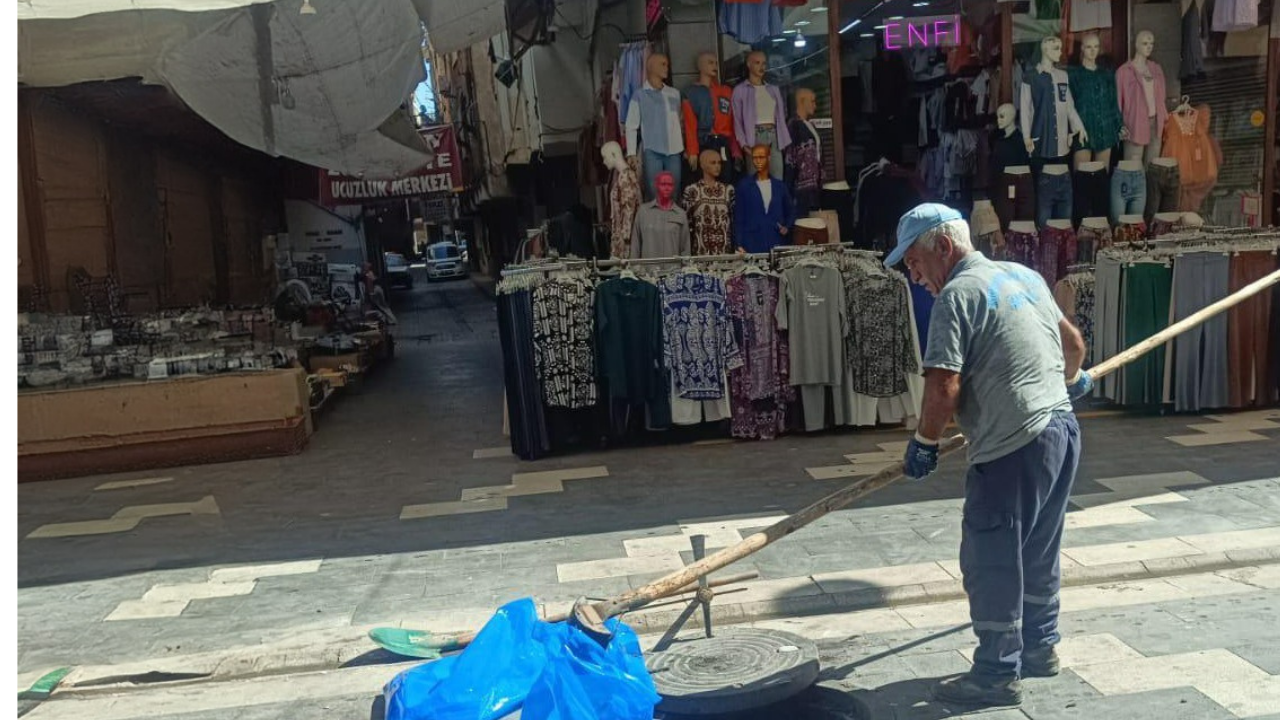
(325, 88)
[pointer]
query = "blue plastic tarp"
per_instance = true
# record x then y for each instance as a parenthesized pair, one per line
(518, 662)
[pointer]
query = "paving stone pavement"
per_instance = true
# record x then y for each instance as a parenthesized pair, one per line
(425, 432)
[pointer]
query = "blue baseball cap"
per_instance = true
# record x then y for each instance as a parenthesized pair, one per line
(915, 223)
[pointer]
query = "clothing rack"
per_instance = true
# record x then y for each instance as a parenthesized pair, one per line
(1171, 246)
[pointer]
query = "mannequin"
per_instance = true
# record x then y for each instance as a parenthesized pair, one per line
(661, 228)
(624, 199)
(1008, 145)
(1091, 189)
(1093, 88)
(1140, 88)
(803, 169)
(1013, 193)
(709, 205)
(708, 117)
(655, 112)
(1048, 111)
(759, 113)
(763, 214)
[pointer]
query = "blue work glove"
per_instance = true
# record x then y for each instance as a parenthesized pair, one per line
(921, 458)
(1082, 386)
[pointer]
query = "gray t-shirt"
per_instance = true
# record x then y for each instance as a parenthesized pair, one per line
(659, 233)
(996, 323)
(811, 306)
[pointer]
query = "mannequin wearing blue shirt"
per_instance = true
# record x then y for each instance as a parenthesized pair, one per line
(764, 211)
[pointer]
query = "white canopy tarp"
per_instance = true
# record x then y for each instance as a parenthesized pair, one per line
(324, 88)
(454, 25)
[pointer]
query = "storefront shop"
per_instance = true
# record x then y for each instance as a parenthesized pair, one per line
(1124, 151)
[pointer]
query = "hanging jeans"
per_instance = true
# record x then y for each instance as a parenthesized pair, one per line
(1014, 512)
(656, 163)
(1128, 193)
(1200, 354)
(1248, 327)
(1146, 312)
(1053, 198)
(1164, 187)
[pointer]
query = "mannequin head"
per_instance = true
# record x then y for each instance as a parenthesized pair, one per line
(1051, 50)
(1144, 44)
(611, 153)
(708, 68)
(665, 184)
(657, 69)
(760, 160)
(711, 164)
(757, 64)
(1005, 115)
(806, 103)
(1090, 48)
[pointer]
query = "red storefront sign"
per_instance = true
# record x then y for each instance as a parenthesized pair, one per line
(442, 175)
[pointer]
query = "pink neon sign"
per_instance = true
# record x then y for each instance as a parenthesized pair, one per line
(936, 31)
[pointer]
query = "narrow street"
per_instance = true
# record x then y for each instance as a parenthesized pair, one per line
(406, 510)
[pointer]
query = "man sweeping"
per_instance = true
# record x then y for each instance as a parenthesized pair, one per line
(1005, 362)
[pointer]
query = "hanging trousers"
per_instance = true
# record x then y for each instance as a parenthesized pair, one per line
(1014, 512)
(1200, 354)
(1147, 288)
(1107, 323)
(1248, 326)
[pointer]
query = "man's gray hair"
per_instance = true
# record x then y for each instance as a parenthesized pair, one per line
(957, 230)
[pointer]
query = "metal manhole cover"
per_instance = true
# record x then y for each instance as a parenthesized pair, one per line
(737, 670)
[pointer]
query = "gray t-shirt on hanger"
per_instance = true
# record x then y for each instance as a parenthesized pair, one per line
(659, 233)
(996, 323)
(811, 307)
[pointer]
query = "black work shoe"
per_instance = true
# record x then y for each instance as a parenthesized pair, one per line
(1040, 663)
(970, 689)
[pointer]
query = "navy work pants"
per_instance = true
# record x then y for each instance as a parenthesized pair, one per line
(1014, 510)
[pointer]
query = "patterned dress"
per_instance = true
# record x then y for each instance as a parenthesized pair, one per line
(624, 201)
(878, 348)
(710, 207)
(760, 389)
(700, 346)
(563, 343)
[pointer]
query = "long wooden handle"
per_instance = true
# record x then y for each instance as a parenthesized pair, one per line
(666, 585)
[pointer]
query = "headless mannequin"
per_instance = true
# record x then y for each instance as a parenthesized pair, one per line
(1050, 56)
(1090, 48)
(1143, 45)
(624, 199)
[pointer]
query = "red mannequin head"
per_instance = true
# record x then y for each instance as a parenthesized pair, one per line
(665, 184)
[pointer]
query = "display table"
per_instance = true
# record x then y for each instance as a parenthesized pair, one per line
(138, 425)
